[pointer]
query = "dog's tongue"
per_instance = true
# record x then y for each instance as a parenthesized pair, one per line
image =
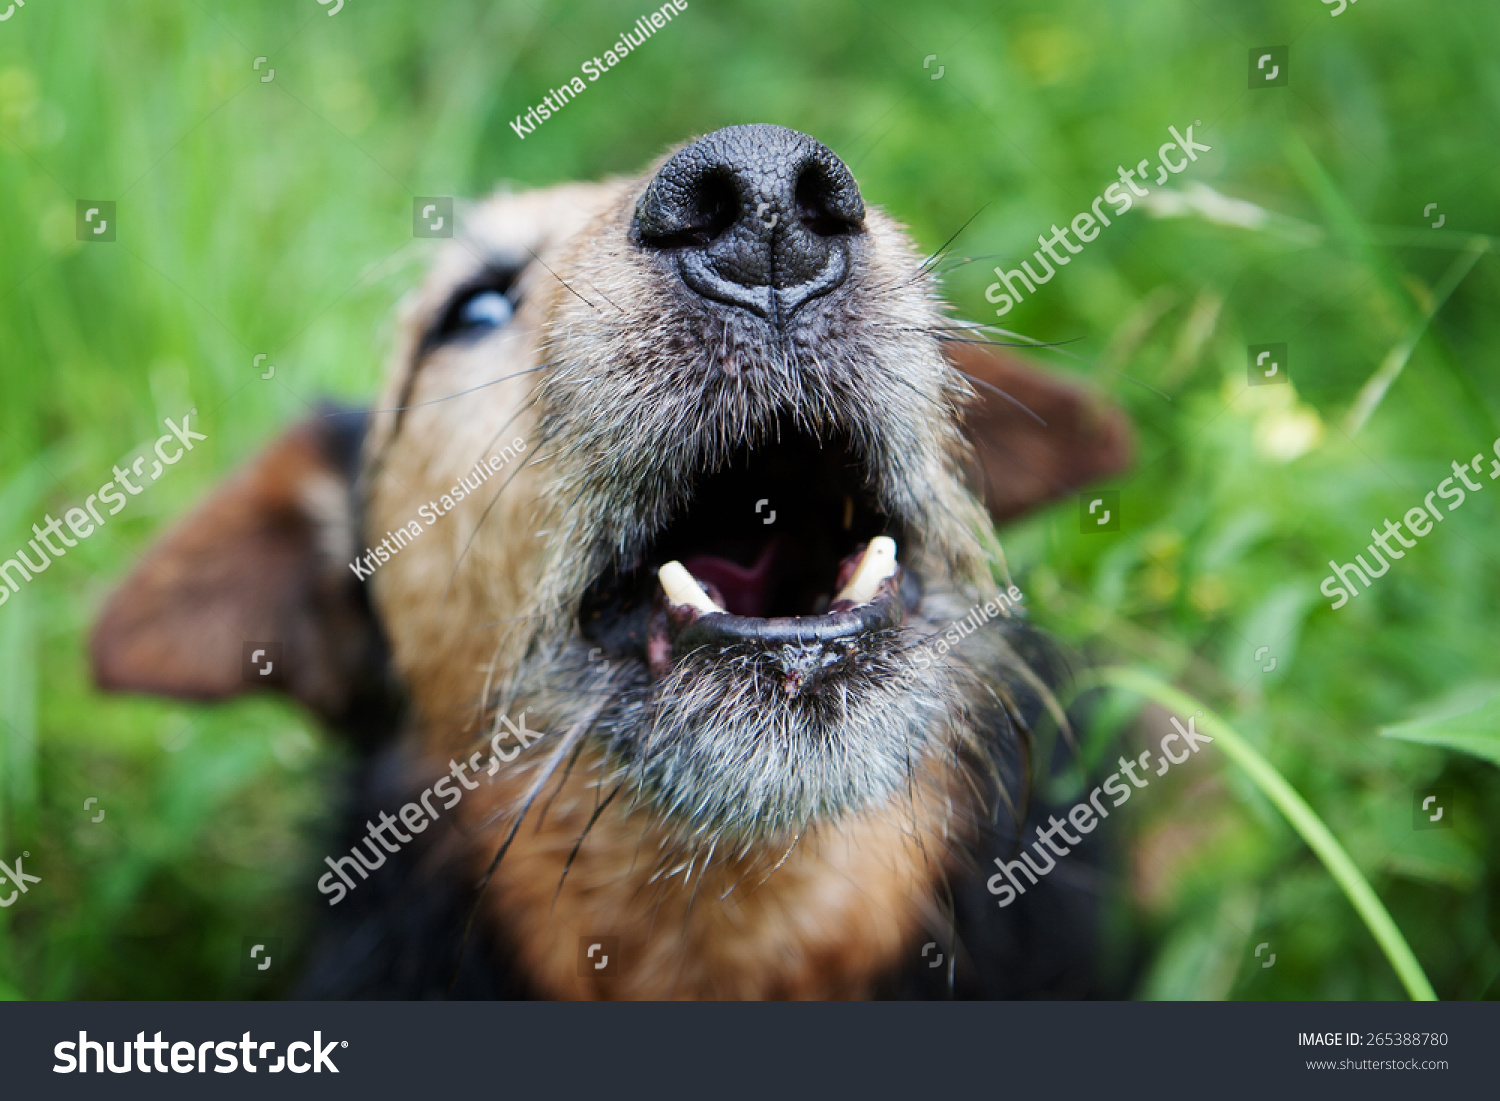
(744, 589)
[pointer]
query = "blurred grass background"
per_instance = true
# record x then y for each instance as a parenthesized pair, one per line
(275, 217)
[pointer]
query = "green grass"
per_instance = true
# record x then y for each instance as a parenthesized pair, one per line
(274, 217)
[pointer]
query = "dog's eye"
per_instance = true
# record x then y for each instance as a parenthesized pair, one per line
(475, 311)
(485, 310)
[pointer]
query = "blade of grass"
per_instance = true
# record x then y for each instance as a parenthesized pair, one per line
(1294, 808)
(1395, 361)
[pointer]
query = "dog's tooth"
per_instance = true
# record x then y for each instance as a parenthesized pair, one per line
(877, 564)
(682, 587)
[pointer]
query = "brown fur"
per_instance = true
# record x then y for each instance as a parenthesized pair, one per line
(835, 914)
(263, 559)
(1021, 468)
(480, 610)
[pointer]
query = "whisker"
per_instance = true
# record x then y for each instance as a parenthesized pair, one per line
(777, 866)
(981, 256)
(922, 269)
(531, 401)
(463, 944)
(576, 733)
(1008, 397)
(1005, 343)
(561, 783)
(579, 843)
(564, 282)
(1081, 359)
(439, 401)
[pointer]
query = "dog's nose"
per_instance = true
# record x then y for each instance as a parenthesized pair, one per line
(756, 216)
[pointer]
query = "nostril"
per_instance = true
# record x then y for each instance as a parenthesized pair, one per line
(695, 215)
(757, 217)
(822, 205)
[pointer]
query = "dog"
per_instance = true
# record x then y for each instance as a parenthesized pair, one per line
(645, 551)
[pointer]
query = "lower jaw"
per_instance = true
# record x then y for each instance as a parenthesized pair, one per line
(751, 750)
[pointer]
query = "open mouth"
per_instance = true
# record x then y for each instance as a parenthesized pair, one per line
(783, 548)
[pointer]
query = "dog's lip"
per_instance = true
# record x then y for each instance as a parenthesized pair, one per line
(689, 628)
(687, 619)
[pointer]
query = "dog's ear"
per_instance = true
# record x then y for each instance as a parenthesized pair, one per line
(262, 565)
(1035, 438)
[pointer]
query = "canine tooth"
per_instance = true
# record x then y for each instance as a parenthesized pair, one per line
(878, 563)
(682, 587)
